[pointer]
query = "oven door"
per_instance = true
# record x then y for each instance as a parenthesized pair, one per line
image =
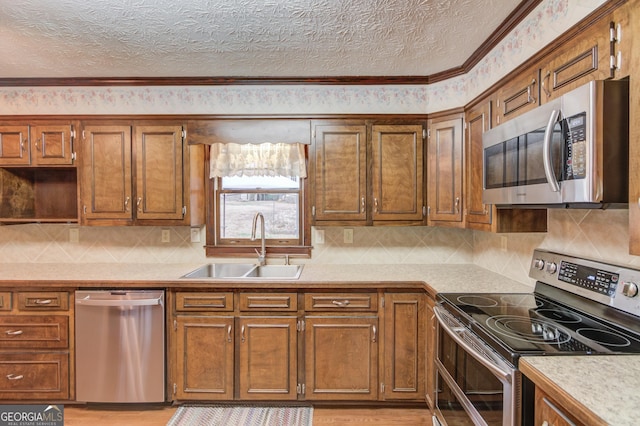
(475, 386)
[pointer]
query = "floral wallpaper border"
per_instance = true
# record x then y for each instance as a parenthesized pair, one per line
(544, 24)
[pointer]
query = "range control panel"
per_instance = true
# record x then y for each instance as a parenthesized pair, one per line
(613, 285)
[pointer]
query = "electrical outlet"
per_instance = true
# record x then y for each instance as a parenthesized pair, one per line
(74, 235)
(166, 235)
(195, 235)
(348, 236)
(503, 243)
(319, 236)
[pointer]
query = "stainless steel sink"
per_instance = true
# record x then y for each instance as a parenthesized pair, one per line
(221, 270)
(245, 271)
(275, 272)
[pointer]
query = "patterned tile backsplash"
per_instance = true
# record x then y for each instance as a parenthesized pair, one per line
(589, 233)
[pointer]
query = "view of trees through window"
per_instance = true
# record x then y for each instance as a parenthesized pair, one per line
(277, 198)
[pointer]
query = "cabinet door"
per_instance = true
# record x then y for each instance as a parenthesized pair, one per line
(340, 172)
(159, 172)
(106, 183)
(397, 179)
(341, 358)
(549, 412)
(14, 145)
(478, 122)
(445, 170)
(586, 57)
(204, 347)
(52, 144)
(267, 358)
(404, 348)
(517, 96)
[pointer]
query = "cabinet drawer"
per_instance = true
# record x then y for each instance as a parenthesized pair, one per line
(34, 332)
(43, 301)
(34, 376)
(5, 301)
(341, 301)
(192, 301)
(269, 302)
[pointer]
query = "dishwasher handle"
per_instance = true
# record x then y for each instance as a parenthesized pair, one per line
(87, 301)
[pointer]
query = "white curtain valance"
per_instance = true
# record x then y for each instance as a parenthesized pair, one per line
(265, 159)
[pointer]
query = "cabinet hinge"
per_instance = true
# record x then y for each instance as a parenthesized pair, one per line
(175, 388)
(428, 133)
(424, 211)
(184, 134)
(184, 211)
(83, 137)
(73, 156)
(313, 211)
(381, 387)
(424, 134)
(429, 211)
(313, 133)
(175, 326)
(300, 388)
(73, 133)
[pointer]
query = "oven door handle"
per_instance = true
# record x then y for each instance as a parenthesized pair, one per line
(456, 334)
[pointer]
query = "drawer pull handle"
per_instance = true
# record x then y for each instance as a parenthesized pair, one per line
(13, 332)
(341, 302)
(229, 334)
(242, 334)
(43, 301)
(14, 377)
(375, 334)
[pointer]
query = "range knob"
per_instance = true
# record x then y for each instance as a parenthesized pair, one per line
(538, 264)
(552, 267)
(630, 289)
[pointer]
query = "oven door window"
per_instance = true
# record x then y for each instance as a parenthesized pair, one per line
(465, 381)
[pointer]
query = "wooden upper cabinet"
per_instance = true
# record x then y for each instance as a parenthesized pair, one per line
(52, 144)
(14, 145)
(340, 172)
(40, 144)
(517, 96)
(478, 119)
(135, 174)
(586, 57)
(397, 179)
(106, 172)
(445, 157)
(159, 174)
(368, 172)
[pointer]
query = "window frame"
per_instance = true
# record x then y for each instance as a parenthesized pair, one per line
(219, 247)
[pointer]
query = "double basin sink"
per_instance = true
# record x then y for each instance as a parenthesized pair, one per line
(245, 271)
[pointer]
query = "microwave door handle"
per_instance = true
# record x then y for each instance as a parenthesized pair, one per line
(546, 154)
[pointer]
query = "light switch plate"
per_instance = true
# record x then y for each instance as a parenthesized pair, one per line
(195, 235)
(318, 236)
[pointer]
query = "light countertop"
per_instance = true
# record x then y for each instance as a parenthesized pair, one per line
(440, 278)
(607, 385)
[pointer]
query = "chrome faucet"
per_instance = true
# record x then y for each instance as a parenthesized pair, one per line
(262, 254)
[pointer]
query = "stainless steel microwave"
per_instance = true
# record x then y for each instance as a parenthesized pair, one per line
(569, 152)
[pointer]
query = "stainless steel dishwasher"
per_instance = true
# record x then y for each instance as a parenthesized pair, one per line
(120, 341)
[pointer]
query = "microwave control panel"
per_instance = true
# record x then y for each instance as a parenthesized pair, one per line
(575, 146)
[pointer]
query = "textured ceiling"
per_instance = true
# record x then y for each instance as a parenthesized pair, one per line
(242, 38)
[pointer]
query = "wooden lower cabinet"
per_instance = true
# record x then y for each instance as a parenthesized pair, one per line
(404, 335)
(205, 360)
(34, 376)
(341, 358)
(550, 413)
(430, 352)
(267, 356)
(36, 337)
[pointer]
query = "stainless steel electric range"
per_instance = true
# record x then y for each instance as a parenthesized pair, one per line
(578, 306)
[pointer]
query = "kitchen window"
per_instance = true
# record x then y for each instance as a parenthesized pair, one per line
(246, 179)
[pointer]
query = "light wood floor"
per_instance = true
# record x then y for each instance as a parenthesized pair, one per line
(100, 416)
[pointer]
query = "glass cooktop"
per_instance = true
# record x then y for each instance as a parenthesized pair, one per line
(531, 324)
